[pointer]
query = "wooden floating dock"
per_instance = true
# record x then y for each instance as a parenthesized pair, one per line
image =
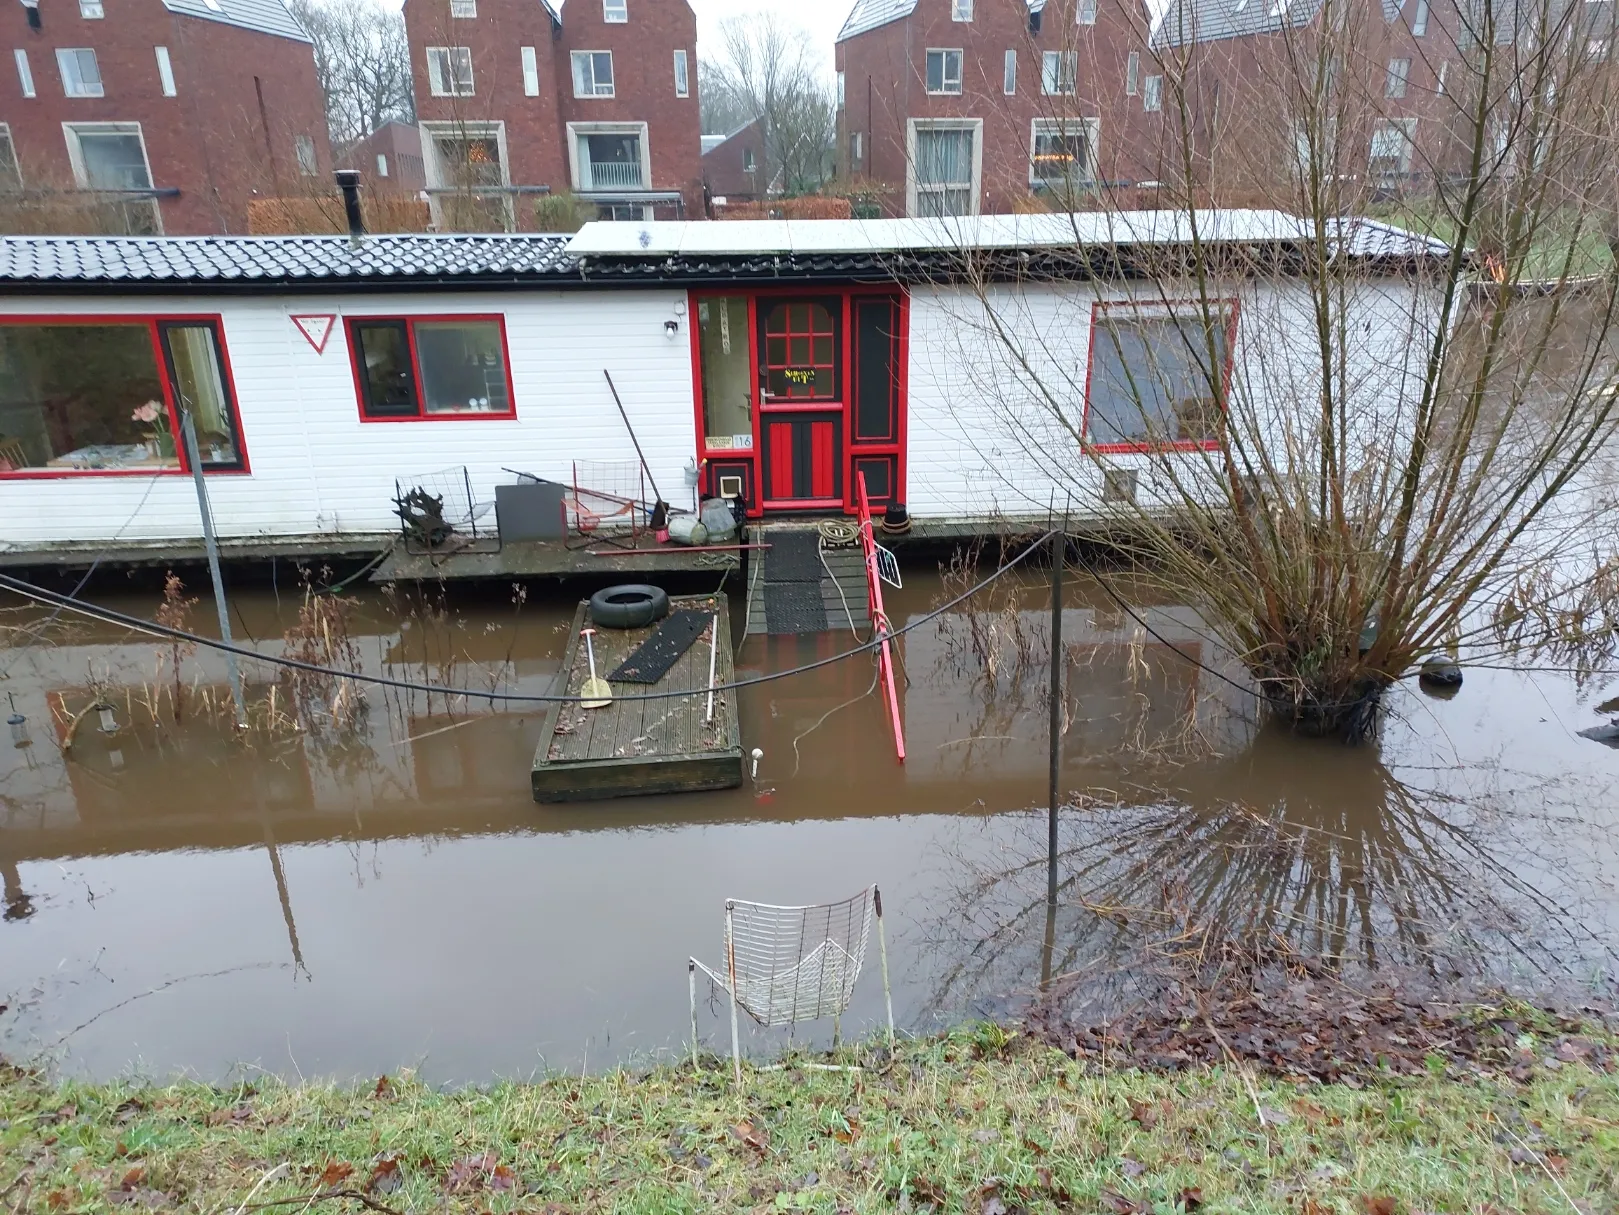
(554, 558)
(640, 745)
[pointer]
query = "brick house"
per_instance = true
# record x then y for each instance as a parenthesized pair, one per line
(158, 116)
(389, 159)
(517, 99)
(734, 164)
(975, 106)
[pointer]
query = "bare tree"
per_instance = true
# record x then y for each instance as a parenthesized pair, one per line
(1347, 448)
(768, 69)
(363, 61)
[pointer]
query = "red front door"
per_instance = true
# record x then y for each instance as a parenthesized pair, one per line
(802, 457)
(801, 412)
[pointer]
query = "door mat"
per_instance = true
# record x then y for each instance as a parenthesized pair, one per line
(793, 556)
(794, 607)
(655, 656)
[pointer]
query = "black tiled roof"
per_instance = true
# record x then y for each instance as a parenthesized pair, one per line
(226, 261)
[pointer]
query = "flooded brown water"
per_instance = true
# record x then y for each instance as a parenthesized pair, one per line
(381, 891)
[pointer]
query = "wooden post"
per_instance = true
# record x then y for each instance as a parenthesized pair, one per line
(1059, 553)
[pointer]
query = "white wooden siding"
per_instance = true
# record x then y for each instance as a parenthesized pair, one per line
(316, 468)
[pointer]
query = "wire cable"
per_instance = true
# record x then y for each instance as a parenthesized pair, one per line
(150, 627)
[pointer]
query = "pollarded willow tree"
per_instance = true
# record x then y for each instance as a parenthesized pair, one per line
(1356, 418)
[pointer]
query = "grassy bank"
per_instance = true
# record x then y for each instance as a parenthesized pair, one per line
(970, 1123)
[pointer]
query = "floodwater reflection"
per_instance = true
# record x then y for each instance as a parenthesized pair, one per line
(376, 888)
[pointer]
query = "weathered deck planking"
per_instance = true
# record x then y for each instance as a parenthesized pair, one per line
(641, 743)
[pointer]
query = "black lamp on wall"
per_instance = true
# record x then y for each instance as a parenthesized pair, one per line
(33, 13)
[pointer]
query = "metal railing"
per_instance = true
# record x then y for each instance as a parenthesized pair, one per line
(615, 175)
(879, 617)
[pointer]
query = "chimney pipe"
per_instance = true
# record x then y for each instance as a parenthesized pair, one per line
(348, 181)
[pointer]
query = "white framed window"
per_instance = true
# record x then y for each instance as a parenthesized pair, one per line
(1062, 154)
(1399, 76)
(111, 156)
(531, 72)
(609, 157)
(1009, 74)
(81, 74)
(943, 71)
(1059, 71)
(1419, 20)
(1152, 380)
(1597, 48)
(463, 10)
(91, 10)
(1439, 80)
(10, 172)
(25, 73)
(945, 166)
(1394, 142)
(592, 73)
(961, 10)
(382, 164)
(857, 149)
(615, 12)
(449, 71)
(1132, 74)
(304, 147)
(465, 166)
(165, 71)
(1152, 93)
(840, 86)
(1085, 13)
(750, 162)
(682, 75)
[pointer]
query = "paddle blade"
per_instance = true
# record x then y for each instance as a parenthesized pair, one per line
(596, 693)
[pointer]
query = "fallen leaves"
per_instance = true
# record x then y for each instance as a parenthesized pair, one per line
(386, 1175)
(384, 1090)
(925, 1189)
(335, 1173)
(1380, 1205)
(234, 1116)
(478, 1172)
(752, 1136)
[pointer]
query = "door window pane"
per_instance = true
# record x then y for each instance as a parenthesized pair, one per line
(199, 386)
(1151, 379)
(722, 343)
(801, 352)
(463, 367)
(82, 397)
(382, 362)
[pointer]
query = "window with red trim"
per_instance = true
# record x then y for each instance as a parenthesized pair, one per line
(1152, 378)
(107, 395)
(410, 368)
(801, 352)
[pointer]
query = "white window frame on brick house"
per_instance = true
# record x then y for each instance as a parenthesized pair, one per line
(750, 162)
(1398, 80)
(463, 10)
(616, 12)
(682, 73)
(1059, 73)
(576, 164)
(382, 164)
(857, 149)
(1419, 20)
(1085, 12)
(1009, 73)
(1439, 79)
(25, 72)
(433, 168)
(841, 86)
(591, 85)
(1086, 128)
(949, 84)
(10, 170)
(71, 64)
(304, 155)
(1384, 133)
(1152, 93)
(165, 71)
(1132, 74)
(445, 77)
(531, 71)
(914, 189)
(73, 132)
(961, 10)
(92, 10)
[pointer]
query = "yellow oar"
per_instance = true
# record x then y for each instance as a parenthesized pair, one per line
(597, 693)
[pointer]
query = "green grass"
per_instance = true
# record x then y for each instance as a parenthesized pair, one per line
(1546, 259)
(961, 1123)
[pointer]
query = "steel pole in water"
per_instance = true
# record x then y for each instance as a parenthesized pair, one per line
(188, 429)
(1059, 545)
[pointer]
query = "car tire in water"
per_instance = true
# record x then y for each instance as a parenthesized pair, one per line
(631, 606)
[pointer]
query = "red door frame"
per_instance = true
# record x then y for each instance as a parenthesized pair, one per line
(844, 406)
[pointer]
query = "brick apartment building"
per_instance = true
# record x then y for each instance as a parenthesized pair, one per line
(516, 99)
(389, 159)
(979, 106)
(156, 116)
(734, 164)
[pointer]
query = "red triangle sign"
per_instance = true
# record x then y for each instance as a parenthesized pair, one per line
(316, 329)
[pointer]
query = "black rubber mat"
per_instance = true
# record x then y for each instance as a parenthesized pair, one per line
(657, 655)
(794, 607)
(793, 556)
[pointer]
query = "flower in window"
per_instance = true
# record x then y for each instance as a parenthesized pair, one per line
(161, 442)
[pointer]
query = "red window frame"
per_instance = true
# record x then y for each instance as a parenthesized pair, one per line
(811, 335)
(1155, 310)
(410, 321)
(151, 321)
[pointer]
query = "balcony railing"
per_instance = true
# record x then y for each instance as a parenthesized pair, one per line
(615, 175)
